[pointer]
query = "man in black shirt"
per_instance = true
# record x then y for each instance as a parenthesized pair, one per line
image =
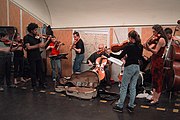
(78, 47)
(33, 46)
(92, 61)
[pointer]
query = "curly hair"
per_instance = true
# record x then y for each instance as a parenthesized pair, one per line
(31, 27)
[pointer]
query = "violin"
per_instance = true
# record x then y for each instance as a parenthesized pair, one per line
(73, 45)
(58, 43)
(17, 43)
(120, 46)
(153, 39)
(39, 36)
(6, 41)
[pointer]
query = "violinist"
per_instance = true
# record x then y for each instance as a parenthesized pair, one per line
(133, 52)
(5, 62)
(18, 58)
(78, 47)
(54, 47)
(157, 62)
(33, 46)
(92, 61)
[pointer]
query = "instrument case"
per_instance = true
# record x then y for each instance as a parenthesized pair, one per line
(83, 85)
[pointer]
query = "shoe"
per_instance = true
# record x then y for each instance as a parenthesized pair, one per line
(130, 109)
(12, 86)
(54, 80)
(153, 103)
(1, 89)
(117, 109)
(34, 89)
(15, 81)
(22, 79)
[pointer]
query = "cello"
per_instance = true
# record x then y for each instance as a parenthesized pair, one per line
(172, 64)
(100, 64)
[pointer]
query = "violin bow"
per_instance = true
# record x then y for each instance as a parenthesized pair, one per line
(116, 36)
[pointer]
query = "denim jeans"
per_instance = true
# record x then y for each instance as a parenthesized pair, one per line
(130, 77)
(77, 62)
(55, 63)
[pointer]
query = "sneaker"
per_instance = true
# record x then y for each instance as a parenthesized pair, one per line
(12, 86)
(35, 89)
(130, 109)
(15, 81)
(1, 89)
(117, 109)
(22, 79)
(54, 80)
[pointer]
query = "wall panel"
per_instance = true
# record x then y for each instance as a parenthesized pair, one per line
(64, 36)
(3, 12)
(14, 16)
(26, 19)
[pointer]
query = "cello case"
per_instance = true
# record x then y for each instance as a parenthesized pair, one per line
(83, 85)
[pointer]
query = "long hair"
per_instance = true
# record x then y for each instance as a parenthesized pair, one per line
(133, 34)
(159, 30)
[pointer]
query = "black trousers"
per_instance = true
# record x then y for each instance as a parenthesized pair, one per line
(37, 72)
(18, 67)
(5, 68)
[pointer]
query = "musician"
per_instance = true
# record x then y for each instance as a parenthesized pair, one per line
(92, 62)
(133, 52)
(78, 47)
(5, 62)
(54, 47)
(18, 58)
(33, 45)
(157, 61)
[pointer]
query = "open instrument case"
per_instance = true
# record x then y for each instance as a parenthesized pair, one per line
(82, 85)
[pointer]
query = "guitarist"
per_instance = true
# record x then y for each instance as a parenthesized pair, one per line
(94, 59)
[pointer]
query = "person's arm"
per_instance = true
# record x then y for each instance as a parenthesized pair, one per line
(77, 50)
(49, 47)
(161, 43)
(12, 49)
(5, 49)
(121, 55)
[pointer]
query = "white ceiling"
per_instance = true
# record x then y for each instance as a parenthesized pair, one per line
(92, 13)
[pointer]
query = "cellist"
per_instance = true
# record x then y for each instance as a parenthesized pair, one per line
(99, 60)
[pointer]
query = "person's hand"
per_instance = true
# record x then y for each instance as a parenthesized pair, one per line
(41, 45)
(103, 56)
(90, 64)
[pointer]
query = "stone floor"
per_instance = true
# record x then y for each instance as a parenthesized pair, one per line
(22, 103)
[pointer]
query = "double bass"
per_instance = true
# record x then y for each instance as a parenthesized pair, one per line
(172, 64)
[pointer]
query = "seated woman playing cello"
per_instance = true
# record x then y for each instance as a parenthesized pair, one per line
(99, 62)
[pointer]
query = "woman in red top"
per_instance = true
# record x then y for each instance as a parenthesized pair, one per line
(54, 46)
(157, 61)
